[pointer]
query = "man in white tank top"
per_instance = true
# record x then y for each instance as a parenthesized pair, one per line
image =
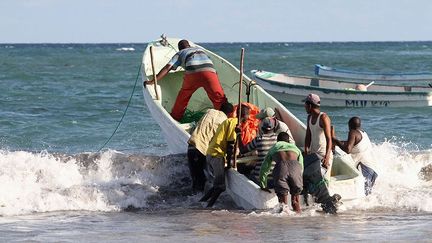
(359, 146)
(318, 133)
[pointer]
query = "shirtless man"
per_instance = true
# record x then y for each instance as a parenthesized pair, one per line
(287, 172)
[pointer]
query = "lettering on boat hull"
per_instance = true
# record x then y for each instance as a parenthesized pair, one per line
(367, 103)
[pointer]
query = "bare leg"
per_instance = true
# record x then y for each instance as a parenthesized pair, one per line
(283, 198)
(295, 203)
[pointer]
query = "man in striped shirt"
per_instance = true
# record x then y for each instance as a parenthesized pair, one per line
(280, 126)
(262, 144)
(199, 73)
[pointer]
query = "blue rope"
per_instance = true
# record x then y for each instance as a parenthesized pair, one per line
(124, 113)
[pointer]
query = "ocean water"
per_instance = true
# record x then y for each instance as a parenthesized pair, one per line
(59, 103)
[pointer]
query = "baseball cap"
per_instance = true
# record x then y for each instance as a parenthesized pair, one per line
(267, 124)
(313, 99)
(267, 112)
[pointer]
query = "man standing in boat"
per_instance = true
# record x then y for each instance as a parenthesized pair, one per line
(219, 153)
(199, 142)
(359, 146)
(199, 73)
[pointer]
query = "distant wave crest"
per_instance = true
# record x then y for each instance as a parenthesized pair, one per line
(126, 49)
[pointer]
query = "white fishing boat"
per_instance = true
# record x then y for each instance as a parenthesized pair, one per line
(337, 93)
(160, 98)
(325, 71)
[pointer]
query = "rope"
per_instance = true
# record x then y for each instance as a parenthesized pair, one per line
(124, 113)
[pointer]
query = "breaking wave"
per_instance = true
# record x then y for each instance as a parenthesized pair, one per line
(110, 181)
(113, 181)
(402, 183)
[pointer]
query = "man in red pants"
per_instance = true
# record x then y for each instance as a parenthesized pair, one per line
(199, 72)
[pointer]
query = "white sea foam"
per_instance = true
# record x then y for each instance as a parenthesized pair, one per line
(398, 185)
(111, 181)
(42, 182)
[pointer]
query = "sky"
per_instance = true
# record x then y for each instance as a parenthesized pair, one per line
(138, 21)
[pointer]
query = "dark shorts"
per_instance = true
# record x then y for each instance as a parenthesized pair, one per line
(288, 178)
(196, 161)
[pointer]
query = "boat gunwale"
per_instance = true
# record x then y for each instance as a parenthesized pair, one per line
(345, 71)
(354, 92)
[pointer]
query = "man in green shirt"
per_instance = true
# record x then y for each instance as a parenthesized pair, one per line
(287, 173)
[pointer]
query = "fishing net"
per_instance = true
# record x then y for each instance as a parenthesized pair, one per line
(192, 116)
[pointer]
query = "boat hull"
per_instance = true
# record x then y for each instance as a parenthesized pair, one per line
(293, 89)
(324, 71)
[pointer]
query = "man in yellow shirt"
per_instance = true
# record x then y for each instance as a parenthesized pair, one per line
(220, 151)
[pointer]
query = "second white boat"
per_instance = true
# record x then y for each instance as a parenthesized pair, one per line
(336, 93)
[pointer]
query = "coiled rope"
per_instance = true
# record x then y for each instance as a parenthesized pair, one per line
(124, 113)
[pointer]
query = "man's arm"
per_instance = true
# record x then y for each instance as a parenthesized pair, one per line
(326, 125)
(308, 137)
(349, 144)
(339, 143)
(251, 146)
(162, 73)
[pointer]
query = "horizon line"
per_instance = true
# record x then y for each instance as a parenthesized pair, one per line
(221, 42)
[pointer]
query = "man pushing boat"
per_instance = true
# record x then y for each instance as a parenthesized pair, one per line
(219, 154)
(287, 172)
(360, 148)
(199, 142)
(318, 157)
